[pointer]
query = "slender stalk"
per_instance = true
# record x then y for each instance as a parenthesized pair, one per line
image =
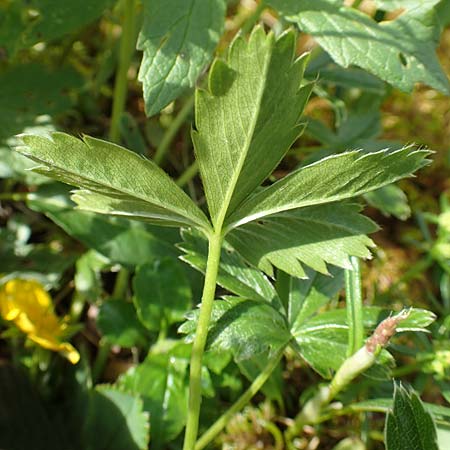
(254, 17)
(188, 174)
(357, 3)
(127, 45)
(257, 384)
(14, 196)
(354, 304)
(100, 360)
(121, 284)
(173, 130)
(198, 348)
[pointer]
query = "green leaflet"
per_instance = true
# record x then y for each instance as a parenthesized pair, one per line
(23, 23)
(178, 38)
(115, 420)
(337, 177)
(401, 52)
(409, 426)
(248, 119)
(115, 180)
(162, 294)
(314, 236)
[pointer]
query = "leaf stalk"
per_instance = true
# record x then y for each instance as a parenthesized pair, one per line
(126, 51)
(198, 348)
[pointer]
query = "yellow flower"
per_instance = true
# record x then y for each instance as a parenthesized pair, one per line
(30, 308)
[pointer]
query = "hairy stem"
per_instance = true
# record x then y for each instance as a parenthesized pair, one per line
(257, 384)
(127, 45)
(354, 304)
(172, 131)
(195, 390)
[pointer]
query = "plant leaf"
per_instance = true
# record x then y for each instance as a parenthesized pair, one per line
(248, 119)
(115, 180)
(234, 274)
(313, 236)
(409, 426)
(334, 178)
(115, 420)
(122, 241)
(119, 325)
(401, 51)
(245, 327)
(178, 38)
(162, 294)
(390, 200)
(161, 381)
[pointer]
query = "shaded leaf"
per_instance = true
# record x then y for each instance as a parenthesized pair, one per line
(103, 170)
(313, 236)
(243, 129)
(115, 421)
(409, 426)
(162, 294)
(390, 200)
(121, 241)
(178, 38)
(401, 51)
(162, 383)
(118, 323)
(30, 90)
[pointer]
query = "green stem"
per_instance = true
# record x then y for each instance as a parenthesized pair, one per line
(173, 130)
(198, 348)
(100, 360)
(357, 4)
(354, 304)
(126, 51)
(253, 18)
(257, 384)
(121, 284)
(188, 174)
(14, 196)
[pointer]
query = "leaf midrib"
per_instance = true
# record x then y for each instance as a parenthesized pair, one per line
(235, 178)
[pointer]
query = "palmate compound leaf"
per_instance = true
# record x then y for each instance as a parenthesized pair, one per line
(248, 119)
(114, 180)
(313, 236)
(178, 38)
(400, 51)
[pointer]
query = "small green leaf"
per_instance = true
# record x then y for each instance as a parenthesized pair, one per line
(162, 294)
(409, 426)
(337, 177)
(115, 421)
(307, 296)
(234, 274)
(245, 126)
(161, 381)
(178, 38)
(313, 236)
(31, 90)
(113, 180)
(400, 51)
(119, 325)
(390, 200)
(245, 327)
